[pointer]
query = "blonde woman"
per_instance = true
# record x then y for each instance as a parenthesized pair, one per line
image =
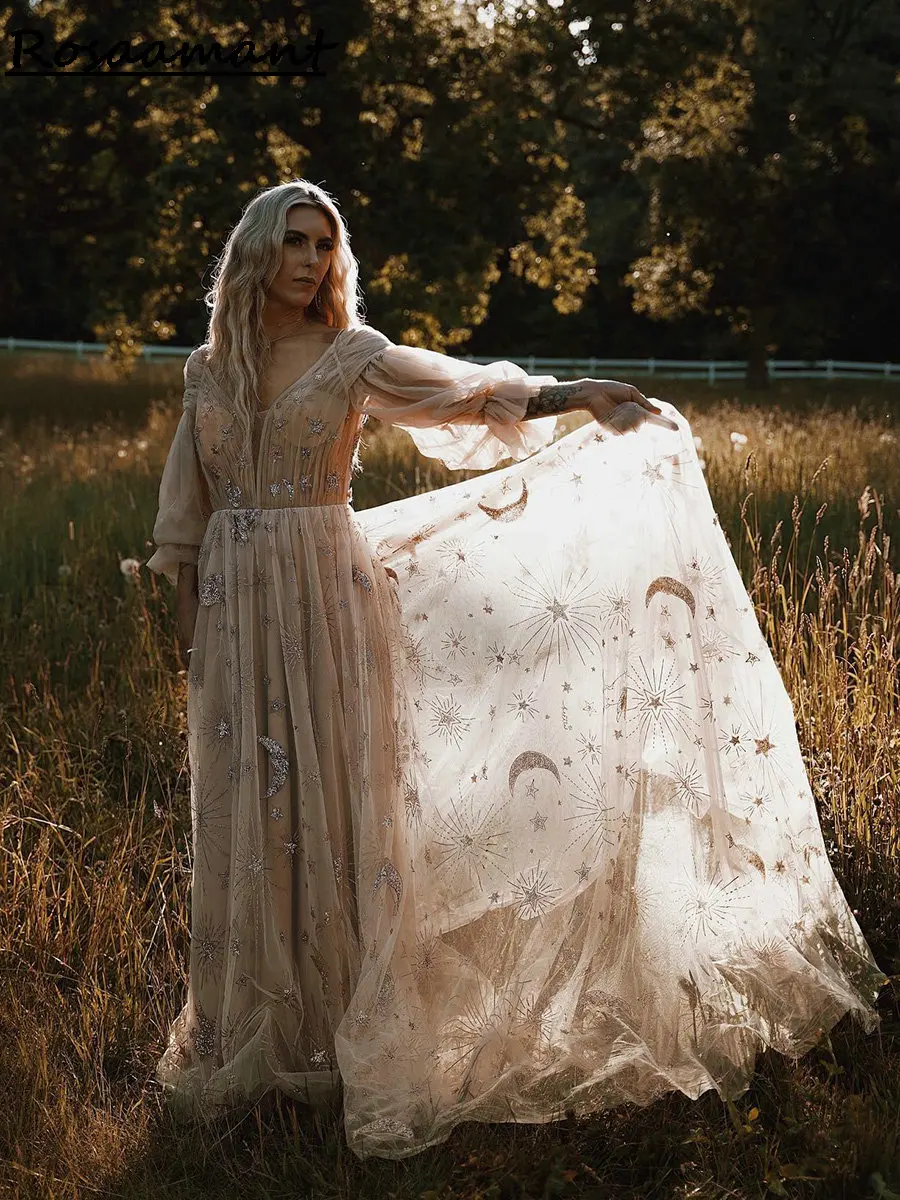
(498, 808)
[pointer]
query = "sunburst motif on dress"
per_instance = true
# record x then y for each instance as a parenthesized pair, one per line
(590, 746)
(615, 612)
(252, 883)
(563, 617)
(656, 703)
(216, 725)
(704, 578)
(469, 838)
(454, 643)
(207, 949)
(689, 785)
(292, 646)
(448, 721)
(592, 822)
(471, 1031)
(257, 577)
(709, 907)
(426, 956)
(534, 892)
(412, 802)
(211, 821)
(770, 742)
(461, 559)
(717, 646)
(522, 705)
(756, 804)
(318, 616)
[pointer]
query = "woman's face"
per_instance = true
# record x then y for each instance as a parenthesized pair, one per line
(306, 256)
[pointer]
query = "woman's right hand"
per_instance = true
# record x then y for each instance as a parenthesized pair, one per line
(187, 605)
(621, 407)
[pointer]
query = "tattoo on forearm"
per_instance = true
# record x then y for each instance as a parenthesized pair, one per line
(554, 398)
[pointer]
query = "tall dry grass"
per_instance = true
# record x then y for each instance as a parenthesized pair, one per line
(95, 821)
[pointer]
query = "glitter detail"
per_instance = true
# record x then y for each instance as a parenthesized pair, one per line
(361, 577)
(212, 589)
(674, 587)
(280, 762)
(243, 522)
(204, 1036)
(234, 494)
(387, 873)
(331, 483)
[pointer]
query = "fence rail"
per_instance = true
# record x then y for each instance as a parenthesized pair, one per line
(712, 370)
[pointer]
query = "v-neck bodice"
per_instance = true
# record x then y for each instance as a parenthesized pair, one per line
(260, 412)
(301, 446)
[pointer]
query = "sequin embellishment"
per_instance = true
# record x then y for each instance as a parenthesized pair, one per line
(243, 522)
(363, 578)
(280, 763)
(212, 589)
(388, 873)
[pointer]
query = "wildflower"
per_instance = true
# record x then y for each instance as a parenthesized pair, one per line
(887, 437)
(738, 440)
(122, 453)
(698, 442)
(702, 462)
(64, 570)
(142, 444)
(130, 567)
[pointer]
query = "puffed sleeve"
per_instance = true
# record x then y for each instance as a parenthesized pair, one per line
(184, 508)
(468, 416)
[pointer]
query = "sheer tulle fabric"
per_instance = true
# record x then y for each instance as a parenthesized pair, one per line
(523, 829)
(466, 415)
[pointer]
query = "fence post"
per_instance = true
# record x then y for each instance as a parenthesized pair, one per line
(651, 365)
(79, 349)
(829, 368)
(711, 373)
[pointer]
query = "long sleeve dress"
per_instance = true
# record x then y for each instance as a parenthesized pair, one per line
(498, 808)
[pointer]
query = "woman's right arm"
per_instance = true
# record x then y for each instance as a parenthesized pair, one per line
(187, 604)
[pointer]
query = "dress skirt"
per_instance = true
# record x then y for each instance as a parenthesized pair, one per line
(498, 806)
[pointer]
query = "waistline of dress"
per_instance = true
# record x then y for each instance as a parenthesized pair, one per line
(259, 508)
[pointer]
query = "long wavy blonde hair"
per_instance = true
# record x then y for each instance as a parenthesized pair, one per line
(239, 351)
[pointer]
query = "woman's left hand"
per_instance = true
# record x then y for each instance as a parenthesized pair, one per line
(621, 407)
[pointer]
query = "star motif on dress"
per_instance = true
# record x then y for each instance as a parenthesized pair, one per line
(751, 657)
(538, 821)
(695, 667)
(763, 745)
(652, 471)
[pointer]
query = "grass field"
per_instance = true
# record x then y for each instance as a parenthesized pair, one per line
(95, 819)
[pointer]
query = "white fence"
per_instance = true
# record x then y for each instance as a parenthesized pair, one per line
(712, 370)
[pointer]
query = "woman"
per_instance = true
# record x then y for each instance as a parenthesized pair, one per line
(498, 807)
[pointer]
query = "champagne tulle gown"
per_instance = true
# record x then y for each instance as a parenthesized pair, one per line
(520, 828)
